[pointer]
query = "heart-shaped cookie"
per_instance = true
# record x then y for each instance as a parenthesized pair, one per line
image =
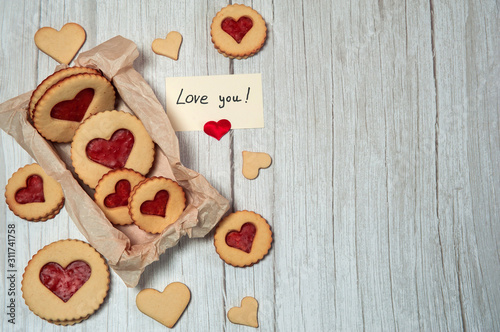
(165, 307)
(61, 45)
(169, 46)
(246, 314)
(217, 129)
(253, 162)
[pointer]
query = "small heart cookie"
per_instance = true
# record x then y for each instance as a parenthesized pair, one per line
(246, 314)
(169, 46)
(61, 45)
(165, 307)
(253, 162)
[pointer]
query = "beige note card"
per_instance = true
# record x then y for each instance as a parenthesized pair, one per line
(194, 101)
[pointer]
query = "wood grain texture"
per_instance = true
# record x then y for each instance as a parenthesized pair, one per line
(382, 120)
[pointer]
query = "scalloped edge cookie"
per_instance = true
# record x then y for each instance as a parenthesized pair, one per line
(147, 190)
(107, 186)
(251, 43)
(104, 125)
(36, 211)
(45, 304)
(260, 245)
(62, 131)
(53, 79)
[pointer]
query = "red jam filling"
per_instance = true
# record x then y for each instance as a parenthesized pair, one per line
(158, 206)
(243, 239)
(33, 192)
(237, 29)
(120, 196)
(65, 282)
(74, 109)
(113, 153)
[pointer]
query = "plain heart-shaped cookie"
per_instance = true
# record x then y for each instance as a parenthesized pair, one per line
(253, 162)
(165, 307)
(61, 45)
(217, 129)
(246, 314)
(169, 46)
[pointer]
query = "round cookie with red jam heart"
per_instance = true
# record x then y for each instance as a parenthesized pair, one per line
(69, 102)
(113, 191)
(53, 79)
(156, 203)
(33, 195)
(111, 140)
(65, 282)
(243, 238)
(238, 31)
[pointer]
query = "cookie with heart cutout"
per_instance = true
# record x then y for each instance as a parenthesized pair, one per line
(111, 140)
(113, 191)
(69, 102)
(53, 79)
(65, 282)
(238, 31)
(156, 203)
(33, 195)
(243, 238)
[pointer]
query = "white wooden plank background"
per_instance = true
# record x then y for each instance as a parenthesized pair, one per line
(382, 118)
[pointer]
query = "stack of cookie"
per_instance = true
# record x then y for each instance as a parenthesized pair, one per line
(66, 98)
(65, 282)
(33, 195)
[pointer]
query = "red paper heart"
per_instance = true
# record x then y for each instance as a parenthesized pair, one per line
(74, 109)
(237, 29)
(217, 129)
(121, 195)
(65, 282)
(158, 206)
(243, 239)
(33, 192)
(113, 153)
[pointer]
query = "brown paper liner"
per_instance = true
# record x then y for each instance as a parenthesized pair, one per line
(128, 249)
